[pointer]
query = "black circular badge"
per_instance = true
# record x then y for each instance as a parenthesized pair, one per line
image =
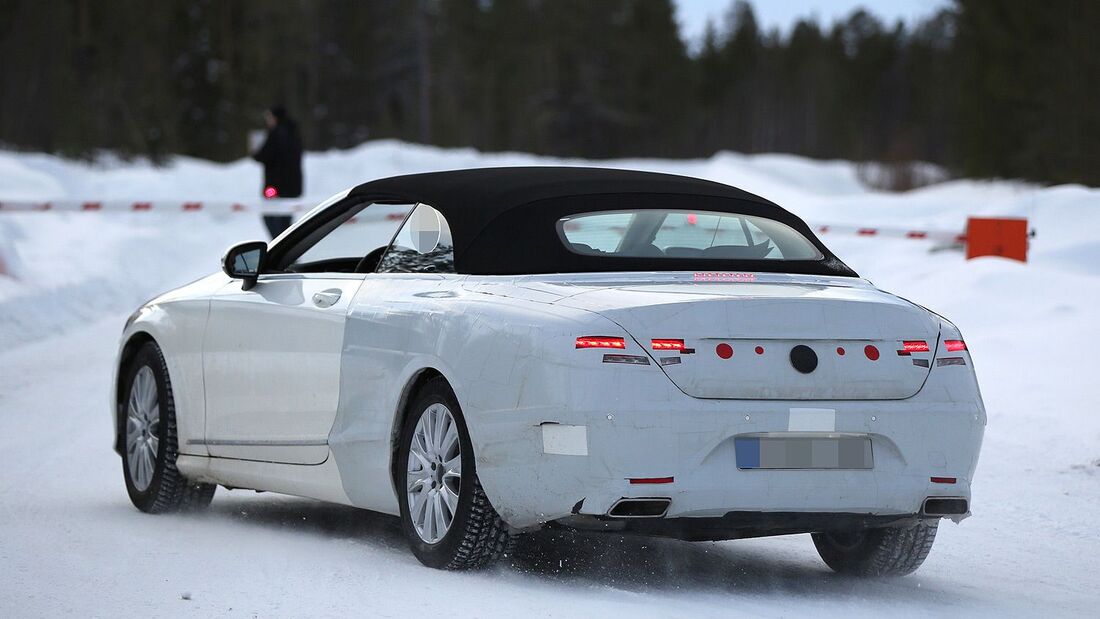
(803, 358)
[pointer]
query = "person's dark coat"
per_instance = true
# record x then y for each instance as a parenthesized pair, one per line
(281, 155)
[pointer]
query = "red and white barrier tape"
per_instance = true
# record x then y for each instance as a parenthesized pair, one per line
(273, 207)
(943, 236)
(291, 207)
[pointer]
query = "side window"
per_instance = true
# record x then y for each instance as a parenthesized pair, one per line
(422, 245)
(359, 232)
(340, 245)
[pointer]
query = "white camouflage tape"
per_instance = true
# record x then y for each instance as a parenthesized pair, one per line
(812, 420)
(564, 440)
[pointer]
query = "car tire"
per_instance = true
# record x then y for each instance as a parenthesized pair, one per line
(889, 551)
(475, 534)
(149, 442)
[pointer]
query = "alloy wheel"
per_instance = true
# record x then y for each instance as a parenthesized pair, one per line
(142, 428)
(434, 473)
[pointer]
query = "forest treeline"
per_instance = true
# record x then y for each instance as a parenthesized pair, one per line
(1007, 88)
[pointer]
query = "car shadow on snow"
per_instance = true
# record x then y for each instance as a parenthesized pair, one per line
(630, 563)
(303, 516)
(646, 564)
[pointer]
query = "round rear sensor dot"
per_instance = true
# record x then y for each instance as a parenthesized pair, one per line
(724, 350)
(759, 350)
(840, 350)
(871, 352)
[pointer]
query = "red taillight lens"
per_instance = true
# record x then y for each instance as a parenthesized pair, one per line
(954, 345)
(667, 344)
(600, 341)
(912, 346)
(271, 192)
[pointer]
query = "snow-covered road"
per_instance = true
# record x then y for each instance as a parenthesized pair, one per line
(71, 543)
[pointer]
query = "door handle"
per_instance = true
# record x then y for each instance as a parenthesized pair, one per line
(326, 298)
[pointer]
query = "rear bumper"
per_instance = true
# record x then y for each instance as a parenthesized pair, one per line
(652, 430)
(737, 525)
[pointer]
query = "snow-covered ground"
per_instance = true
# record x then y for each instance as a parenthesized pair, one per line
(71, 544)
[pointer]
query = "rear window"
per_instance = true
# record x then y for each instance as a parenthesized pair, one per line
(660, 233)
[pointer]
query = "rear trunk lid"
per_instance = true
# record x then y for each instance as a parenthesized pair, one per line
(748, 339)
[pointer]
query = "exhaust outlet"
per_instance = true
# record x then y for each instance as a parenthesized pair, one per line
(945, 506)
(640, 508)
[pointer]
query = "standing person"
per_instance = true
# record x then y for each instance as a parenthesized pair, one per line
(281, 154)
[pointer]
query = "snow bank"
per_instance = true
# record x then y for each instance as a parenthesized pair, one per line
(1030, 549)
(71, 267)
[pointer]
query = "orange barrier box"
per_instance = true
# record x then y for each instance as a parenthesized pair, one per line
(997, 236)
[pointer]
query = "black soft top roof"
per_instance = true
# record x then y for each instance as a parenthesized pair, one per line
(503, 220)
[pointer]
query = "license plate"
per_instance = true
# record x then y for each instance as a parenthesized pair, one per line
(778, 451)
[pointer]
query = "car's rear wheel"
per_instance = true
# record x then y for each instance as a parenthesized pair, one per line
(445, 514)
(149, 441)
(889, 551)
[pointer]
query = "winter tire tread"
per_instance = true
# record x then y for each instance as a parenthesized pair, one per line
(482, 535)
(889, 551)
(169, 491)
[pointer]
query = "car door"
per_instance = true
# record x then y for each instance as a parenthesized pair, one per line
(272, 351)
(271, 366)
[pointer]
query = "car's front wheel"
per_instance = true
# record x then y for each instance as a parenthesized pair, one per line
(445, 514)
(889, 551)
(149, 441)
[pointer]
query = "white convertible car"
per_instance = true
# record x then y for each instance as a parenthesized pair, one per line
(557, 347)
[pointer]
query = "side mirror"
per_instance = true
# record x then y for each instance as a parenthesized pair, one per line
(245, 261)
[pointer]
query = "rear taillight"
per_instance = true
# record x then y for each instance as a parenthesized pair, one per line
(667, 344)
(651, 480)
(954, 345)
(909, 347)
(600, 341)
